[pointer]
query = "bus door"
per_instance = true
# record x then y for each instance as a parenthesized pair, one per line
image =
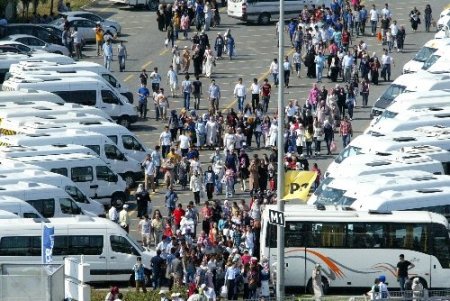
(295, 259)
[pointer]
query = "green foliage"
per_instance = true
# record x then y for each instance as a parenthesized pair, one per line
(129, 294)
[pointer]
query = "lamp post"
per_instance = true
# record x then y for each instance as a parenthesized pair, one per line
(280, 161)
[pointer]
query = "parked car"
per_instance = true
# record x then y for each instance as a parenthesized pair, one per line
(17, 47)
(85, 27)
(38, 31)
(95, 18)
(38, 44)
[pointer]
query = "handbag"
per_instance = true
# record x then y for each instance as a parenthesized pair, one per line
(333, 146)
(224, 291)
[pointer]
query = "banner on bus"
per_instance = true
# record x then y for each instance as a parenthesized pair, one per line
(297, 184)
(48, 241)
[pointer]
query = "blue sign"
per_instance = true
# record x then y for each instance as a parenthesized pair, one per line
(48, 241)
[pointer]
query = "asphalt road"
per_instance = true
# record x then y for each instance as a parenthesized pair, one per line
(256, 48)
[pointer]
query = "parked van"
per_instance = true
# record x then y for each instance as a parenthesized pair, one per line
(26, 95)
(18, 207)
(414, 82)
(407, 120)
(7, 215)
(366, 164)
(51, 178)
(7, 59)
(109, 250)
(8, 166)
(433, 199)
(344, 191)
(430, 140)
(10, 110)
(49, 200)
(128, 168)
(125, 140)
(427, 50)
(86, 91)
(91, 174)
(70, 67)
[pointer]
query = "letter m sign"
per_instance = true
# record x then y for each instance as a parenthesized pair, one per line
(276, 218)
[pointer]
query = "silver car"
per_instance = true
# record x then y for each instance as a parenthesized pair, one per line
(95, 18)
(38, 44)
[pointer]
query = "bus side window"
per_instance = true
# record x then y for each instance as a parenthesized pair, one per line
(446, 167)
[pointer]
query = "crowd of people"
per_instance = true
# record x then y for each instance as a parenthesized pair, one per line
(210, 246)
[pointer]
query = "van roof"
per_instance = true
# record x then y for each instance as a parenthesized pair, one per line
(48, 74)
(406, 101)
(27, 186)
(60, 157)
(87, 125)
(78, 221)
(57, 137)
(66, 117)
(14, 151)
(405, 199)
(54, 80)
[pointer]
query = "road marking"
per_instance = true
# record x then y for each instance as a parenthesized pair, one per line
(128, 77)
(164, 51)
(146, 64)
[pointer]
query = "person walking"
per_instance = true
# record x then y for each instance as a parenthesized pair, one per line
(142, 200)
(143, 93)
(365, 87)
(145, 228)
(196, 89)
(317, 282)
(287, 69)
(218, 45)
(99, 38)
(77, 39)
(186, 89)
(428, 17)
(240, 94)
(374, 17)
(214, 95)
(107, 54)
(124, 219)
(266, 89)
(155, 79)
(387, 62)
(402, 271)
(171, 199)
(274, 69)
(230, 46)
(345, 131)
(172, 80)
(122, 55)
(196, 185)
(139, 275)
(320, 65)
(113, 214)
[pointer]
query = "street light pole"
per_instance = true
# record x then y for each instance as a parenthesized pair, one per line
(280, 161)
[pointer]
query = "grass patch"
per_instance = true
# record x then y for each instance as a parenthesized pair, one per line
(44, 8)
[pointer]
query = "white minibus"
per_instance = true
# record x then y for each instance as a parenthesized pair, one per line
(86, 91)
(126, 141)
(427, 50)
(366, 164)
(7, 166)
(63, 182)
(10, 110)
(127, 167)
(408, 120)
(413, 82)
(433, 199)
(26, 95)
(263, 11)
(91, 175)
(49, 200)
(354, 248)
(7, 59)
(106, 247)
(387, 143)
(18, 207)
(364, 186)
(70, 67)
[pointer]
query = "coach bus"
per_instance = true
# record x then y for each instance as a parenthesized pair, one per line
(265, 11)
(354, 247)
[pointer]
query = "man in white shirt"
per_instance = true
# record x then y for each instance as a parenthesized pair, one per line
(274, 69)
(172, 80)
(386, 62)
(347, 65)
(156, 79)
(185, 142)
(374, 17)
(165, 141)
(394, 31)
(113, 215)
(291, 110)
(240, 93)
(385, 12)
(256, 90)
(144, 228)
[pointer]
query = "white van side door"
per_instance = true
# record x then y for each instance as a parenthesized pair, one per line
(111, 103)
(83, 176)
(132, 147)
(122, 257)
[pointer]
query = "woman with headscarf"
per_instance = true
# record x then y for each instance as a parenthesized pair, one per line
(142, 199)
(209, 182)
(401, 35)
(211, 132)
(417, 289)
(273, 133)
(209, 62)
(317, 282)
(414, 19)
(196, 186)
(374, 68)
(244, 163)
(328, 134)
(428, 17)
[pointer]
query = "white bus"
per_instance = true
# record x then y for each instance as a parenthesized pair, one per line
(265, 11)
(354, 248)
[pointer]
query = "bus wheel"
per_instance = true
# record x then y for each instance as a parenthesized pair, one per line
(423, 282)
(325, 286)
(264, 19)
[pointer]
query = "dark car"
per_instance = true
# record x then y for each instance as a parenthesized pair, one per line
(38, 31)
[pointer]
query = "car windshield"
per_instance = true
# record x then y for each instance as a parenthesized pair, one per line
(57, 22)
(392, 92)
(423, 54)
(385, 115)
(430, 61)
(349, 151)
(330, 196)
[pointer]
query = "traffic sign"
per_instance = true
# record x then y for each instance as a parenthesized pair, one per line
(276, 218)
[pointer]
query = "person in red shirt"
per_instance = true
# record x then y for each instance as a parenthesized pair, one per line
(317, 170)
(266, 88)
(177, 215)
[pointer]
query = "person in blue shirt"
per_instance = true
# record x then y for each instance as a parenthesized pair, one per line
(363, 18)
(156, 159)
(139, 275)
(143, 93)
(292, 26)
(171, 200)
